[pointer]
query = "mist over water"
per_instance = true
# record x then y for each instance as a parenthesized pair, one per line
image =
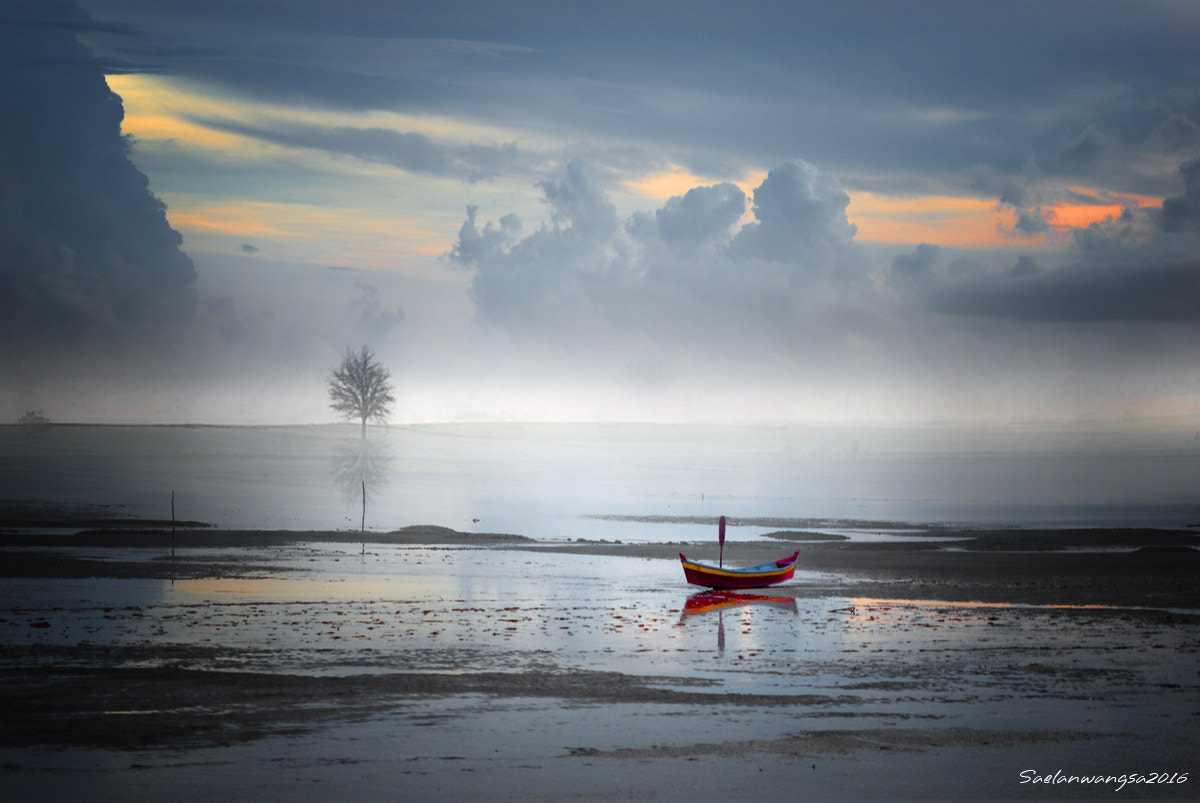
(560, 481)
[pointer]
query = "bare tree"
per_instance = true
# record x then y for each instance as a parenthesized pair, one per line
(360, 388)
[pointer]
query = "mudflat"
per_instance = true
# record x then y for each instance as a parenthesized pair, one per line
(430, 663)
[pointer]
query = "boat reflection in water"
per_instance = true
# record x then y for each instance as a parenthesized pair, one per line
(714, 600)
(717, 600)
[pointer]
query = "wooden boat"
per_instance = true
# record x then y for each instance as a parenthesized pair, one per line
(766, 574)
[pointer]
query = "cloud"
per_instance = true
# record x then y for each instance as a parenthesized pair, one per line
(914, 267)
(992, 183)
(1121, 269)
(662, 300)
(1030, 221)
(88, 260)
(1182, 212)
(801, 217)
(1107, 233)
(1156, 290)
(1025, 266)
(1176, 134)
(892, 114)
(371, 321)
(473, 246)
(701, 216)
(1085, 149)
(409, 151)
(683, 283)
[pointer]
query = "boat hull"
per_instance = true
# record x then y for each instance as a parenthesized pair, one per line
(768, 574)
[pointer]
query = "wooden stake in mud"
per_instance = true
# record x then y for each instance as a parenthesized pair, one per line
(363, 527)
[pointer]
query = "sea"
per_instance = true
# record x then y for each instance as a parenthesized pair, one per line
(614, 482)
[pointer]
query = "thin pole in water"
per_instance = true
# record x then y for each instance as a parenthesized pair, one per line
(721, 539)
(363, 527)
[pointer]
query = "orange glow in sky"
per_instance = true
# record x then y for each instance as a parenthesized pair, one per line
(1079, 216)
(944, 220)
(677, 181)
(1067, 215)
(975, 222)
(155, 111)
(234, 220)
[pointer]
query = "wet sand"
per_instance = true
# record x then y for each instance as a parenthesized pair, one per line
(938, 668)
(1126, 567)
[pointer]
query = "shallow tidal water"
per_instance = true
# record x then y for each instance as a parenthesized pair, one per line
(556, 482)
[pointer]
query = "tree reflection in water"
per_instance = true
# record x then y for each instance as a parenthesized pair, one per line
(361, 466)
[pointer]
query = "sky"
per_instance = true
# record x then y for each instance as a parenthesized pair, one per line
(833, 212)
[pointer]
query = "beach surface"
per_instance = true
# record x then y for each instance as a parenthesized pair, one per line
(429, 663)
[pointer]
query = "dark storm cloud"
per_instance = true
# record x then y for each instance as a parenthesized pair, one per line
(35, 15)
(908, 268)
(1177, 134)
(1030, 222)
(879, 93)
(1182, 212)
(1005, 188)
(1161, 290)
(1137, 267)
(87, 258)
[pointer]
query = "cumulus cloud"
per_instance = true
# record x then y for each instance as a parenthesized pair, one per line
(473, 245)
(801, 217)
(88, 260)
(661, 300)
(687, 281)
(702, 216)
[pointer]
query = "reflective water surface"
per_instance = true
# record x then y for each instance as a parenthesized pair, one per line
(566, 481)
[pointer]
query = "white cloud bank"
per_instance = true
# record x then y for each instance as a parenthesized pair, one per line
(787, 316)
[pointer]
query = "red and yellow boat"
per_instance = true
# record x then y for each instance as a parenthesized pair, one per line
(766, 574)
